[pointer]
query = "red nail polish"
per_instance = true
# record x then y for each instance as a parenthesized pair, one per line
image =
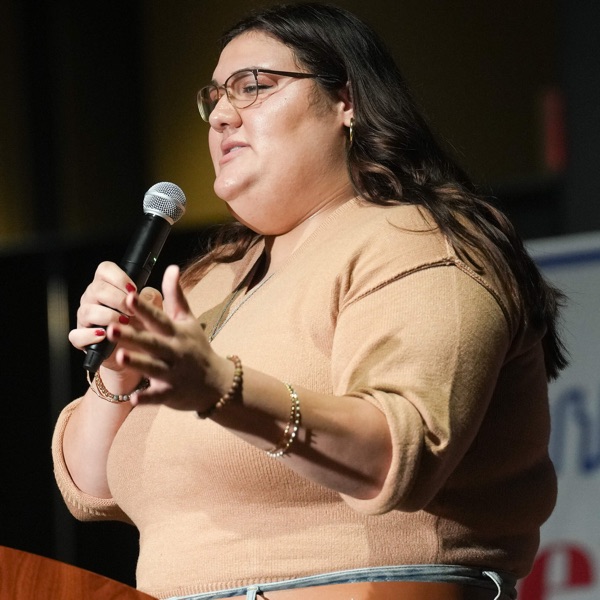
(99, 332)
(123, 319)
(130, 287)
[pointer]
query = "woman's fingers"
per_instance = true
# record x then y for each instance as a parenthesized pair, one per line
(168, 346)
(105, 298)
(80, 338)
(149, 311)
(92, 315)
(150, 365)
(152, 296)
(92, 321)
(176, 305)
(149, 314)
(111, 274)
(155, 347)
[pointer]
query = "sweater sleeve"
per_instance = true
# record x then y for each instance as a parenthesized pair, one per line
(426, 349)
(81, 505)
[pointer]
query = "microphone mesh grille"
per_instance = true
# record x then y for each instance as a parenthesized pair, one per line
(166, 200)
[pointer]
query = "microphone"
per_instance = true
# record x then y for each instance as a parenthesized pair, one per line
(164, 204)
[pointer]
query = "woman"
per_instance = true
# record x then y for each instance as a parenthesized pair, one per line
(367, 348)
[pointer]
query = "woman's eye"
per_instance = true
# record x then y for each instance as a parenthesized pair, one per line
(263, 87)
(247, 86)
(249, 89)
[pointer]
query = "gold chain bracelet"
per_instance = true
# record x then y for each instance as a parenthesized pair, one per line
(291, 429)
(101, 391)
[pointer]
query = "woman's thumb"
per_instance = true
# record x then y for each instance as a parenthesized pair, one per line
(152, 296)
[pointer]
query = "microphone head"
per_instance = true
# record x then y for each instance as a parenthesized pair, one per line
(166, 200)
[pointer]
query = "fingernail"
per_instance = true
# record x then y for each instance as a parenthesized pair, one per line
(116, 332)
(123, 319)
(99, 332)
(130, 287)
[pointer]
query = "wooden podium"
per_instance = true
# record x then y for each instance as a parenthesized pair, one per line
(25, 576)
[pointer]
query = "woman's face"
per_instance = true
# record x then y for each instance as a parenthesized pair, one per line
(279, 161)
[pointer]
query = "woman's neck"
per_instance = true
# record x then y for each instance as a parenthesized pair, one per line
(278, 248)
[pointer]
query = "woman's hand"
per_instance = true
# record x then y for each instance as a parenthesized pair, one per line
(103, 303)
(92, 426)
(171, 349)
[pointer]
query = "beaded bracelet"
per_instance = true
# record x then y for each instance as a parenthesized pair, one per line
(236, 384)
(103, 393)
(291, 429)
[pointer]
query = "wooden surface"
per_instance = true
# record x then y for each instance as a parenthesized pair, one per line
(25, 576)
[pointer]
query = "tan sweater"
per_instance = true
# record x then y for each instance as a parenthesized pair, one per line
(370, 307)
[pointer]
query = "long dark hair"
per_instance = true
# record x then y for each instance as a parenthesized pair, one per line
(396, 158)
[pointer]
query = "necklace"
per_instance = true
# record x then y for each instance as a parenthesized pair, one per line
(221, 322)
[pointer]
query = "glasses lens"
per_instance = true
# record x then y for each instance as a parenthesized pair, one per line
(242, 89)
(207, 99)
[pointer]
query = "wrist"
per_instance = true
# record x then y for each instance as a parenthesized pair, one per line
(121, 381)
(117, 390)
(229, 381)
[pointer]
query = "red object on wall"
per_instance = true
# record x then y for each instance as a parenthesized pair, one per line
(554, 130)
(577, 571)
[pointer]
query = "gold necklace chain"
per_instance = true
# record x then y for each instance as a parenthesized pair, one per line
(222, 322)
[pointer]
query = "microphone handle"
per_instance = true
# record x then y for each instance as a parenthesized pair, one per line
(139, 259)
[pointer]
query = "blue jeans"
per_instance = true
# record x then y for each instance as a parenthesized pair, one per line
(501, 583)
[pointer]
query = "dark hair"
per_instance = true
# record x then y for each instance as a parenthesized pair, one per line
(396, 158)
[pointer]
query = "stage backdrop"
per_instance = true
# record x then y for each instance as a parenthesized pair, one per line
(568, 562)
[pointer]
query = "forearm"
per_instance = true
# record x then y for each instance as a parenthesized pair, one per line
(90, 431)
(343, 443)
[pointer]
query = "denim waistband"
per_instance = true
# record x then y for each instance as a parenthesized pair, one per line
(501, 583)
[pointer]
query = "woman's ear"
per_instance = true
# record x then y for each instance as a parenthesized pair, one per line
(346, 105)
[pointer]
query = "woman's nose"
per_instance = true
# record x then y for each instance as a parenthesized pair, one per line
(223, 114)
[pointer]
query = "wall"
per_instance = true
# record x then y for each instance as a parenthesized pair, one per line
(100, 101)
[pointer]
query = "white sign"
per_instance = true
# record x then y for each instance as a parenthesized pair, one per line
(567, 566)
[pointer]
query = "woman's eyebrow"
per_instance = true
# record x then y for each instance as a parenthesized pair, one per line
(215, 82)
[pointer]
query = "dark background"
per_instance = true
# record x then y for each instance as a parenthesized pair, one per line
(93, 114)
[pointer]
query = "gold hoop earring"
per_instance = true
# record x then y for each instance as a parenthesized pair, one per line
(351, 132)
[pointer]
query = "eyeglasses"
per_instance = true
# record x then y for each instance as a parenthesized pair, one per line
(245, 87)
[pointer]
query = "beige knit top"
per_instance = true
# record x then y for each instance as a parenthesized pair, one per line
(376, 305)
